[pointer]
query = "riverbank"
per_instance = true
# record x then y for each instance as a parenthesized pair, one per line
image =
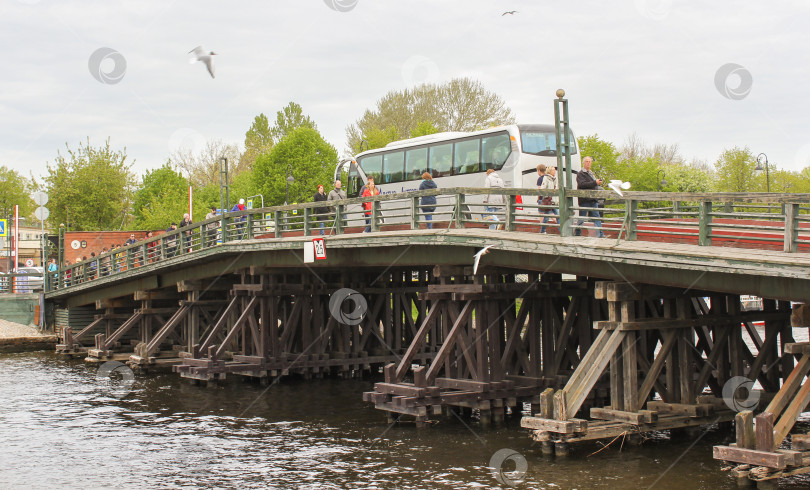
(15, 337)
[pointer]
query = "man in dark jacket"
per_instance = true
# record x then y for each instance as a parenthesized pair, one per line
(586, 180)
(321, 213)
(428, 202)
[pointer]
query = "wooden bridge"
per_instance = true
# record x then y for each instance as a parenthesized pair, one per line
(643, 330)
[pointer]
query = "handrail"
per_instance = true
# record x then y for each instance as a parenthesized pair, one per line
(712, 216)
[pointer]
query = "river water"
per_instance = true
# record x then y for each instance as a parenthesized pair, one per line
(61, 426)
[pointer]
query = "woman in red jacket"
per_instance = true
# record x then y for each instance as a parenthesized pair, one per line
(370, 191)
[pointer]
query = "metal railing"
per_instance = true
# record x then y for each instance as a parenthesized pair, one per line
(752, 220)
(20, 283)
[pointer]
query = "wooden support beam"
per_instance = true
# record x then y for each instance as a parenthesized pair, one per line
(449, 342)
(753, 457)
(789, 416)
(744, 427)
(764, 432)
(417, 342)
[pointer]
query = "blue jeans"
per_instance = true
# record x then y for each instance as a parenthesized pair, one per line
(368, 225)
(428, 216)
(545, 220)
(322, 227)
(493, 209)
(590, 213)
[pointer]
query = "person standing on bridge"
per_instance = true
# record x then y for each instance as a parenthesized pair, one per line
(239, 220)
(321, 213)
(494, 202)
(428, 202)
(211, 228)
(371, 191)
(336, 194)
(186, 222)
(549, 183)
(171, 240)
(586, 180)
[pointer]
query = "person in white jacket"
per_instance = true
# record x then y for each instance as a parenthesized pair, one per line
(550, 183)
(494, 202)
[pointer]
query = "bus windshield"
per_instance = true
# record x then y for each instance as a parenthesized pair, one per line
(542, 143)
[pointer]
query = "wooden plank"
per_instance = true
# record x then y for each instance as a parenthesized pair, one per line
(789, 387)
(657, 366)
(635, 418)
(797, 348)
(402, 389)
(551, 425)
(680, 408)
(800, 442)
(744, 427)
(462, 384)
(547, 403)
(764, 432)
(788, 418)
(560, 406)
(751, 456)
(578, 391)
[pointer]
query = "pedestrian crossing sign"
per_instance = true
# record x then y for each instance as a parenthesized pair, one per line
(3, 227)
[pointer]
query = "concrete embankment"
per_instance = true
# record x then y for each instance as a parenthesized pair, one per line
(15, 337)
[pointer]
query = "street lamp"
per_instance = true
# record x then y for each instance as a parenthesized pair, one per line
(763, 159)
(290, 180)
(224, 191)
(661, 181)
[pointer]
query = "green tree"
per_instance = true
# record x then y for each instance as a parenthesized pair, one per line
(90, 188)
(161, 199)
(604, 154)
(15, 189)
(288, 119)
(424, 128)
(735, 171)
(462, 104)
(258, 140)
(313, 162)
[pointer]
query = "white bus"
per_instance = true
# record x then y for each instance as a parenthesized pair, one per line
(459, 159)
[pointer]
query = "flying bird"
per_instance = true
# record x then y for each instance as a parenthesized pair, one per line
(201, 55)
(617, 186)
(478, 255)
(510, 12)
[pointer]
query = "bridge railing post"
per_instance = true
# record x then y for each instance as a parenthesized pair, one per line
(277, 222)
(510, 212)
(414, 213)
(226, 221)
(340, 211)
(566, 213)
(375, 215)
(705, 224)
(631, 216)
(459, 210)
(307, 219)
(791, 227)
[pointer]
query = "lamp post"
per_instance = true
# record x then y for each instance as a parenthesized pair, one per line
(763, 159)
(661, 180)
(290, 180)
(224, 191)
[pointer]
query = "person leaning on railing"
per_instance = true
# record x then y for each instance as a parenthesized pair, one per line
(335, 194)
(428, 203)
(586, 180)
(549, 183)
(494, 202)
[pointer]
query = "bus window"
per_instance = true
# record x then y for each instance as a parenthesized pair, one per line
(393, 166)
(441, 160)
(372, 167)
(543, 143)
(495, 150)
(467, 159)
(415, 163)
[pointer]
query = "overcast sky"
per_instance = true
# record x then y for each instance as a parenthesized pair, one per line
(649, 67)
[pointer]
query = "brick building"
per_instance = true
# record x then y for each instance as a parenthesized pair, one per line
(81, 243)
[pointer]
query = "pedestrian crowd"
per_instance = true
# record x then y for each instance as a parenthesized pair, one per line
(114, 258)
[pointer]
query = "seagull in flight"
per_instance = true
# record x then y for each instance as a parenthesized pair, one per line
(617, 186)
(478, 255)
(510, 12)
(201, 55)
